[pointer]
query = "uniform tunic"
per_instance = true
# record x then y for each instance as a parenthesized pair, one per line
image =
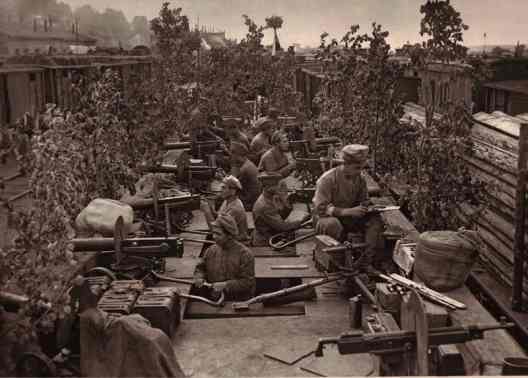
(234, 264)
(274, 161)
(247, 174)
(260, 144)
(334, 189)
(237, 211)
(241, 138)
(269, 221)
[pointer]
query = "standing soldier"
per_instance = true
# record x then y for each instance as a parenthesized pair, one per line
(276, 160)
(246, 172)
(339, 203)
(271, 210)
(229, 265)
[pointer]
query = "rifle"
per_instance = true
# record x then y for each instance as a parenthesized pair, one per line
(423, 290)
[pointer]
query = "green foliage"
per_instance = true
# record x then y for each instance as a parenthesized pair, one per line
(444, 27)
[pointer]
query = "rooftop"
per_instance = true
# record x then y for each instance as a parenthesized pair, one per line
(23, 31)
(518, 86)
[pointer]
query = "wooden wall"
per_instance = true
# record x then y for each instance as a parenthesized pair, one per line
(494, 160)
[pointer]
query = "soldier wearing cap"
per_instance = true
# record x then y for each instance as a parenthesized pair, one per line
(271, 210)
(262, 141)
(338, 203)
(247, 173)
(228, 264)
(275, 160)
(231, 187)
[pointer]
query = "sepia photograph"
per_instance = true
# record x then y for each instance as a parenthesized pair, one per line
(263, 188)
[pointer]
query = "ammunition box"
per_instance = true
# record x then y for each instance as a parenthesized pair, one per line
(161, 306)
(325, 261)
(120, 298)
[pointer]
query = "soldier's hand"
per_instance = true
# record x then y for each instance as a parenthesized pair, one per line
(204, 206)
(359, 211)
(219, 286)
(198, 282)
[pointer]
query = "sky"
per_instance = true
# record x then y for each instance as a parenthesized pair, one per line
(504, 22)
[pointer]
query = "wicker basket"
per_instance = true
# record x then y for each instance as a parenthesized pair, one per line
(445, 258)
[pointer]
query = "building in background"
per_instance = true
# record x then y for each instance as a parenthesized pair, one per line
(510, 97)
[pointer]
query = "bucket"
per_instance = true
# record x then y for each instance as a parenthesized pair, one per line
(444, 258)
(515, 366)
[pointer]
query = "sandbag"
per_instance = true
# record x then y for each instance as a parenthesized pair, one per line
(101, 214)
(444, 258)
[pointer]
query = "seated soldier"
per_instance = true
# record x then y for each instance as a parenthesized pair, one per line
(231, 205)
(262, 141)
(232, 130)
(271, 210)
(339, 203)
(201, 130)
(246, 172)
(275, 160)
(228, 265)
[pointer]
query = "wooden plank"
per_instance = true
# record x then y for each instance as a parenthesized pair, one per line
(263, 268)
(184, 268)
(268, 252)
(332, 364)
(495, 346)
(396, 223)
(201, 310)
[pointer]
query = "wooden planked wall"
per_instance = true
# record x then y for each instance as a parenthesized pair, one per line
(494, 161)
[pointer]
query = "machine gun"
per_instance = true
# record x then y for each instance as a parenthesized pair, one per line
(197, 149)
(184, 172)
(399, 341)
(313, 146)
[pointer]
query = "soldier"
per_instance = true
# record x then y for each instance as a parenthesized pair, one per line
(246, 172)
(339, 202)
(228, 264)
(234, 134)
(231, 205)
(271, 210)
(262, 141)
(275, 160)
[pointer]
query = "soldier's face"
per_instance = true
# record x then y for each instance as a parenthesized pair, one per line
(352, 168)
(284, 144)
(225, 191)
(219, 236)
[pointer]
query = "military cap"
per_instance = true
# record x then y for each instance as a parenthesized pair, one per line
(239, 149)
(269, 179)
(355, 152)
(227, 223)
(277, 136)
(263, 122)
(232, 182)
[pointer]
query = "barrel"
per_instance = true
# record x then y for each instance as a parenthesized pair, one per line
(444, 258)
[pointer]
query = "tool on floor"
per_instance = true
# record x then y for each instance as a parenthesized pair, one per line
(244, 306)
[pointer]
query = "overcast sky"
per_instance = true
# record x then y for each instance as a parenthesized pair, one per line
(503, 21)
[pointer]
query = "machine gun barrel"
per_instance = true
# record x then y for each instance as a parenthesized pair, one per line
(176, 145)
(396, 341)
(108, 244)
(184, 203)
